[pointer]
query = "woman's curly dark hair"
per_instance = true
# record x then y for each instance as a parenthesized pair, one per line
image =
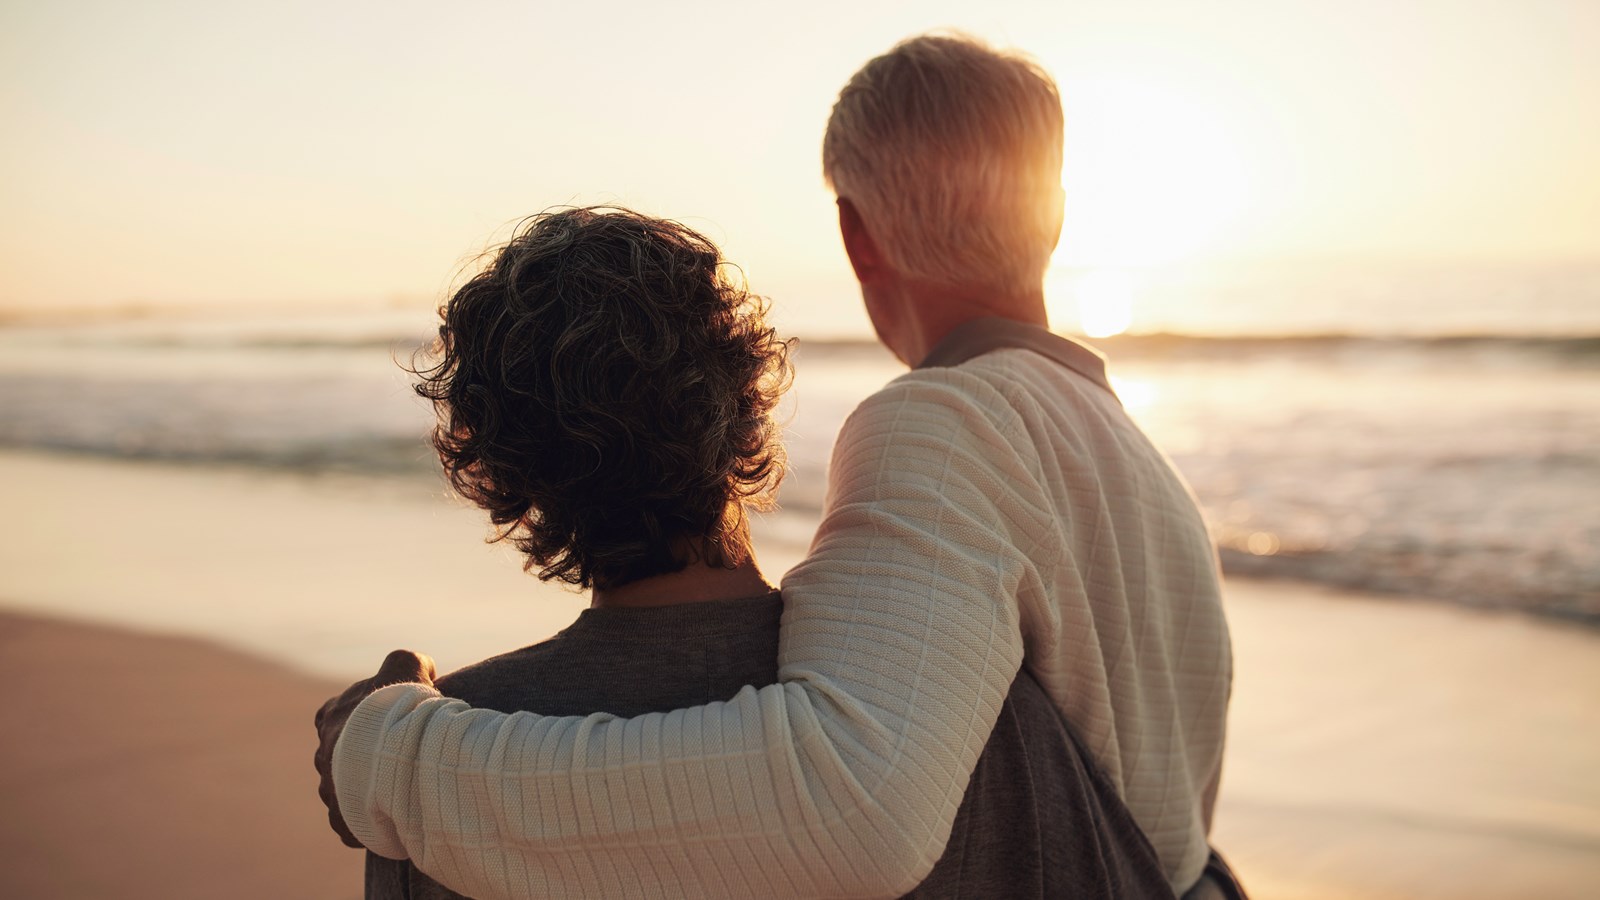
(605, 391)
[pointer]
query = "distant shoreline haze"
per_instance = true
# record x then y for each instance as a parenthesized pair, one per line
(1236, 300)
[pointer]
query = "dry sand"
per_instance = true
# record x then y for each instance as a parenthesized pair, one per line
(154, 767)
(1379, 747)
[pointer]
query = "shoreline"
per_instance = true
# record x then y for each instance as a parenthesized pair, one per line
(781, 537)
(317, 573)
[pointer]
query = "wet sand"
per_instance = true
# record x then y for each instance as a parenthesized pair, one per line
(1379, 747)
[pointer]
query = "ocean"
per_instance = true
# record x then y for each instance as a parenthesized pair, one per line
(1413, 433)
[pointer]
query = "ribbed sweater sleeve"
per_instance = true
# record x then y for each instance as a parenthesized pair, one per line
(899, 639)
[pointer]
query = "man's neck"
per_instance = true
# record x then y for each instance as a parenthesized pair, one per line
(696, 583)
(935, 310)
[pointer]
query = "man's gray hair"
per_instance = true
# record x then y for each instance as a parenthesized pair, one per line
(951, 152)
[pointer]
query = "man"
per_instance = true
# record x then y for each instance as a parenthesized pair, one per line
(605, 392)
(994, 506)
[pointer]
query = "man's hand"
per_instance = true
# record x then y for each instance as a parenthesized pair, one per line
(398, 667)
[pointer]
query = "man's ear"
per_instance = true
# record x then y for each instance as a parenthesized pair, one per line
(865, 258)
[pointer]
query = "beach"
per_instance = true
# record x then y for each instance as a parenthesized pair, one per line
(175, 627)
(160, 767)
(1340, 260)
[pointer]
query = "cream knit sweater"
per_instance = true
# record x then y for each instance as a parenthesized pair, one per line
(1000, 510)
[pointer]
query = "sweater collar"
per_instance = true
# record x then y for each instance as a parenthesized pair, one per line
(680, 621)
(979, 336)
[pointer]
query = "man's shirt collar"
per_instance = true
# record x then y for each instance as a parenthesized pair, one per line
(979, 336)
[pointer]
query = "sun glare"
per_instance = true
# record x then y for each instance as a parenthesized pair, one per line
(1101, 298)
(1152, 174)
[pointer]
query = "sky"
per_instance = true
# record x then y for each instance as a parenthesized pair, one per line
(229, 154)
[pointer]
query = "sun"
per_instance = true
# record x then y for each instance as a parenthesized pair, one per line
(1153, 172)
(1103, 301)
(1157, 171)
